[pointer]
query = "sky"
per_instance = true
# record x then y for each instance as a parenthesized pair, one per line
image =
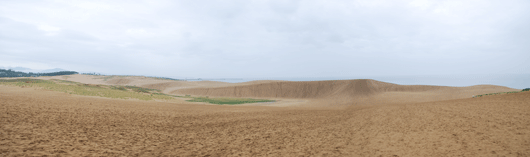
(261, 38)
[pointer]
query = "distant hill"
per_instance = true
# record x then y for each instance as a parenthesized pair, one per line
(12, 73)
(28, 70)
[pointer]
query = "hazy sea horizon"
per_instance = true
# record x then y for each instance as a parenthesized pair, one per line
(517, 81)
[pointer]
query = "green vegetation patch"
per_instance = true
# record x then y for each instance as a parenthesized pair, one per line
(64, 81)
(229, 101)
(118, 88)
(526, 89)
(88, 89)
(476, 96)
(167, 95)
(140, 89)
(24, 80)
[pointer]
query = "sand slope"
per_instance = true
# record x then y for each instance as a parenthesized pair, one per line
(148, 82)
(36, 123)
(341, 89)
(336, 91)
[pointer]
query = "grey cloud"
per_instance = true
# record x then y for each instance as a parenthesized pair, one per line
(270, 38)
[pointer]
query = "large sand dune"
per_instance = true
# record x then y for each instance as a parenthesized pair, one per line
(345, 91)
(340, 92)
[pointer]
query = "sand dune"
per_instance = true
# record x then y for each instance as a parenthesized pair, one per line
(37, 122)
(338, 92)
(372, 118)
(340, 89)
(119, 81)
(342, 93)
(86, 79)
(141, 81)
(287, 89)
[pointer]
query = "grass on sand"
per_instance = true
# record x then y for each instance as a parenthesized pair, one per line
(88, 89)
(229, 101)
(121, 92)
(476, 96)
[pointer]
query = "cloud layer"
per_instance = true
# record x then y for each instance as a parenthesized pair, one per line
(309, 38)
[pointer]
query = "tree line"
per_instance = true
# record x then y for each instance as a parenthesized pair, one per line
(167, 78)
(11, 73)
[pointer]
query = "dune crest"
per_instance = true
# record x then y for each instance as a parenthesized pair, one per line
(337, 89)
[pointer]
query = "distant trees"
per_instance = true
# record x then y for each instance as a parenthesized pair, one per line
(526, 89)
(11, 73)
(166, 78)
(91, 73)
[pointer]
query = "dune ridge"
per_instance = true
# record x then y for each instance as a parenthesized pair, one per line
(335, 89)
(326, 93)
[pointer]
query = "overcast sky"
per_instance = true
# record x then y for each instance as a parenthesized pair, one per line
(249, 39)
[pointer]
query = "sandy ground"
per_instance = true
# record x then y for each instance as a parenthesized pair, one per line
(397, 121)
(87, 79)
(167, 86)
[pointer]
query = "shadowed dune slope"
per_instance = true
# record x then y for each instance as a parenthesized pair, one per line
(287, 89)
(342, 89)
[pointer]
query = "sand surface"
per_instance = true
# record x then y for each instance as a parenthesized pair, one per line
(348, 118)
(167, 86)
(344, 92)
